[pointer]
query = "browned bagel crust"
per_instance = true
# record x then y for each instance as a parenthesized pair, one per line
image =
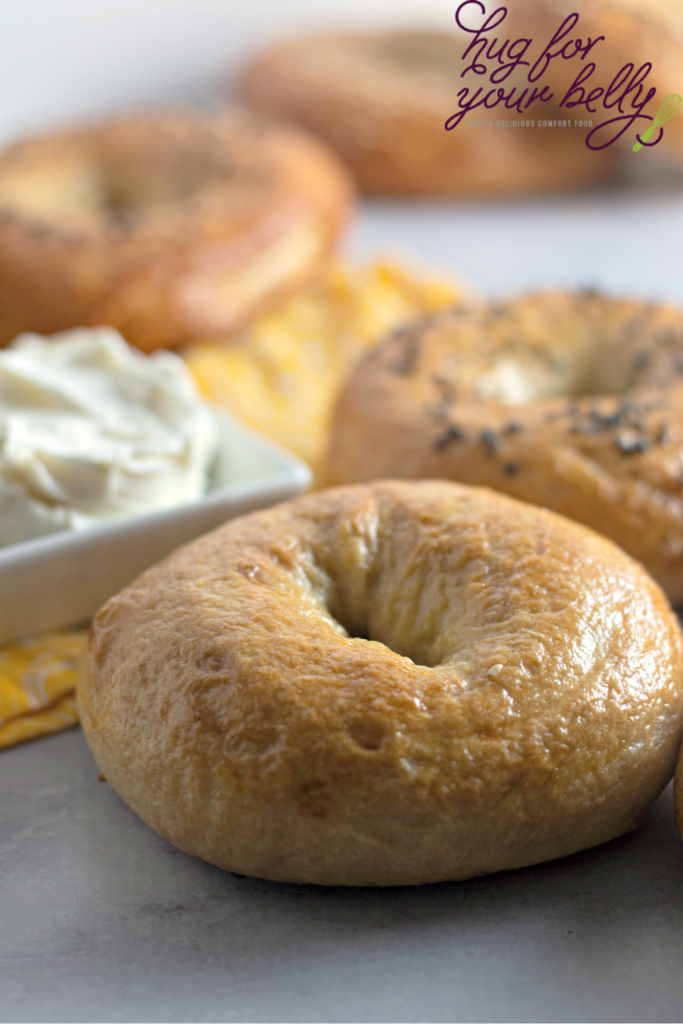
(387, 684)
(167, 227)
(382, 101)
(489, 395)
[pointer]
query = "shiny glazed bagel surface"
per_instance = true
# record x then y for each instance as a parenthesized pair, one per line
(382, 100)
(570, 401)
(168, 227)
(388, 684)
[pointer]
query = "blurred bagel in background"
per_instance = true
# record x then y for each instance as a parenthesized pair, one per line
(573, 401)
(165, 226)
(635, 32)
(381, 102)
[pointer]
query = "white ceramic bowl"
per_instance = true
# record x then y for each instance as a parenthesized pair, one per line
(62, 579)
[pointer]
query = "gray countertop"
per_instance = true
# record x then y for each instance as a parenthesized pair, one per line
(104, 921)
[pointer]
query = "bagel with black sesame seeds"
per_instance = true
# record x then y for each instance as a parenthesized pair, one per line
(573, 401)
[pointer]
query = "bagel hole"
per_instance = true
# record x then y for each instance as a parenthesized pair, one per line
(547, 346)
(158, 169)
(416, 648)
(357, 598)
(125, 200)
(127, 178)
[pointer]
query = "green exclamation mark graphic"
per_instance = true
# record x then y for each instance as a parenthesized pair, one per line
(668, 108)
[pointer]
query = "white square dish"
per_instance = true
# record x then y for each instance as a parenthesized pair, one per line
(63, 578)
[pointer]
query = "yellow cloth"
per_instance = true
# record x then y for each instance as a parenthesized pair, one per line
(283, 374)
(37, 685)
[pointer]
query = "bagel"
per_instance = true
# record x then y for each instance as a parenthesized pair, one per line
(633, 32)
(646, 30)
(167, 227)
(382, 101)
(388, 684)
(571, 401)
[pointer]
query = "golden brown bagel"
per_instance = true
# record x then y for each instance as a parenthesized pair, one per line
(571, 401)
(381, 101)
(388, 684)
(167, 227)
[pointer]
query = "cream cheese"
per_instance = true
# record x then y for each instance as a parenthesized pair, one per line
(93, 430)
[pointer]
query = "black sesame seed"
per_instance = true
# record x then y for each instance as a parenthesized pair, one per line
(512, 428)
(490, 441)
(606, 420)
(510, 468)
(629, 444)
(452, 433)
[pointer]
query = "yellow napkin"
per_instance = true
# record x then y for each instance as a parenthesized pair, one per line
(282, 375)
(37, 685)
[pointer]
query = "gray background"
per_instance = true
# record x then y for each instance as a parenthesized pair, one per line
(104, 921)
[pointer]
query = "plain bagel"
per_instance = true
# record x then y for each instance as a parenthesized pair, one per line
(570, 401)
(168, 227)
(388, 684)
(382, 101)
